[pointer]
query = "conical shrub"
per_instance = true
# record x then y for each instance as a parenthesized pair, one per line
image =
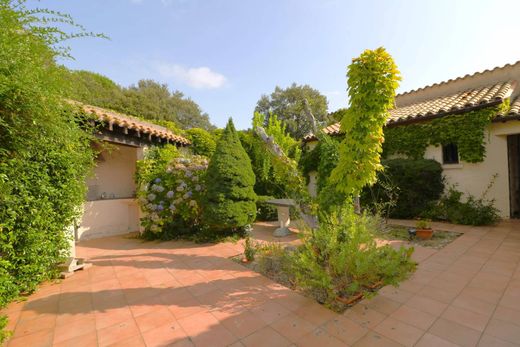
(230, 198)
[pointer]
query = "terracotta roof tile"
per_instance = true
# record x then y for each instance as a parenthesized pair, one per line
(454, 103)
(128, 122)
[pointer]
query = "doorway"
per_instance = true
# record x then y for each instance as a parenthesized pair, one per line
(513, 152)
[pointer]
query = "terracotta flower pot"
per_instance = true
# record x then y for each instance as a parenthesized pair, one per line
(350, 300)
(424, 234)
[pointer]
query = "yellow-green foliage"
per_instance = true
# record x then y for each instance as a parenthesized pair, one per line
(372, 81)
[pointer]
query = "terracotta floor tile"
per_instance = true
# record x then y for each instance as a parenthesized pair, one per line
(198, 323)
(112, 316)
(292, 326)
(488, 340)
(243, 324)
(187, 308)
(504, 330)
(134, 341)
(155, 318)
(294, 301)
(75, 328)
(373, 339)
(398, 331)
(429, 340)
(32, 326)
(319, 337)
(427, 305)
(117, 333)
(473, 304)
(454, 332)
(270, 311)
(364, 316)
(164, 335)
(315, 313)
(419, 319)
(42, 338)
(86, 340)
(507, 314)
(345, 330)
(397, 294)
(467, 318)
(217, 336)
(266, 336)
(383, 304)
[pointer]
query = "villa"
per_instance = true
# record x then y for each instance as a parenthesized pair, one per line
(459, 96)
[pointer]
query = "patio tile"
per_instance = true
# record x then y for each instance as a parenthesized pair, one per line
(42, 338)
(507, 314)
(473, 304)
(153, 319)
(86, 340)
(382, 304)
(78, 327)
(315, 313)
(429, 340)
(397, 294)
(454, 332)
(467, 318)
(164, 335)
(117, 333)
(134, 341)
(504, 330)
(319, 337)
(112, 316)
(266, 336)
(243, 324)
(373, 339)
(427, 305)
(488, 340)
(345, 330)
(398, 331)
(416, 318)
(217, 336)
(28, 327)
(270, 311)
(364, 315)
(292, 327)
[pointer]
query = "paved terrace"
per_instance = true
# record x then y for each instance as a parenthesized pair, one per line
(182, 294)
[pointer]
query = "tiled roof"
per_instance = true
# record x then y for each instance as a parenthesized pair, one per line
(126, 122)
(459, 102)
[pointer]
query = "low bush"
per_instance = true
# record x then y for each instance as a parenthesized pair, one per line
(265, 211)
(417, 184)
(457, 208)
(341, 259)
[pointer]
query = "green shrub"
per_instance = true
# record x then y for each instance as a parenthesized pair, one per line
(265, 211)
(45, 155)
(419, 183)
(453, 208)
(230, 199)
(202, 142)
(341, 259)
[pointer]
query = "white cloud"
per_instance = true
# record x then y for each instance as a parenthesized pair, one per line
(197, 77)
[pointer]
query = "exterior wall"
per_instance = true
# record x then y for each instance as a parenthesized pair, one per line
(475, 178)
(111, 207)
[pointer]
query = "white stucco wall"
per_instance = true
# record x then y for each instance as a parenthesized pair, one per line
(474, 178)
(114, 173)
(119, 212)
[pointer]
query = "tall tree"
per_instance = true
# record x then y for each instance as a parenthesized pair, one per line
(289, 105)
(147, 99)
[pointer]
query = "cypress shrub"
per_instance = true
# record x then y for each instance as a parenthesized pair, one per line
(230, 198)
(419, 183)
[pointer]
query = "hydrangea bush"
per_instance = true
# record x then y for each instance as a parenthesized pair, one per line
(171, 200)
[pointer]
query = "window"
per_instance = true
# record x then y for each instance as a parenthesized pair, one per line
(450, 154)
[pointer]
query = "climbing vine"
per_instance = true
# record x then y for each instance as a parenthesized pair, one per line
(466, 130)
(372, 81)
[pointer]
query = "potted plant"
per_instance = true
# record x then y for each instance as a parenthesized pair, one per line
(423, 229)
(249, 250)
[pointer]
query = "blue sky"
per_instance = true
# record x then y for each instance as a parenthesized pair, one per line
(225, 54)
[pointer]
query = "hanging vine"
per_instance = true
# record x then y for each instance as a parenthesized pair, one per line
(466, 130)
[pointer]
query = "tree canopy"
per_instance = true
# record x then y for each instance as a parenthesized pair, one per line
(147, 99)
(289, 105)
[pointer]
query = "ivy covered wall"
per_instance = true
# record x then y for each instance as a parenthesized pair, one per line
(466, 130)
